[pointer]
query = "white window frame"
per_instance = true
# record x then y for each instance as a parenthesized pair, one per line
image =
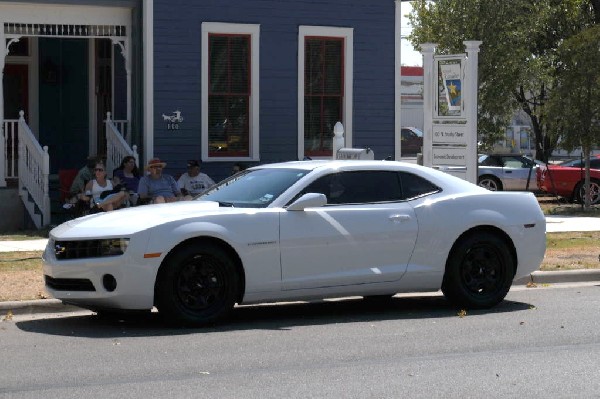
(243, 29)
(326, 31)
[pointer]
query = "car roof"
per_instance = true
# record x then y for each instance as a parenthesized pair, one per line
(333, 164)
(442, 179)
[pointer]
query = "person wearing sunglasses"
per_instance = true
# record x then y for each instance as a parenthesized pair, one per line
(158, 187)
(101, 191)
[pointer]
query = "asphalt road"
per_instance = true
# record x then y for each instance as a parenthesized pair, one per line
(540, 342)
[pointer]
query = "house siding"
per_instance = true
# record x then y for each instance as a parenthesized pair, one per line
(177, 72)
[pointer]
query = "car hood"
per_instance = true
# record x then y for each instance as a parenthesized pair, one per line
(130, 220)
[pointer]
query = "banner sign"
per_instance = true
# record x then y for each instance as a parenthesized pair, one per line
(450, 76)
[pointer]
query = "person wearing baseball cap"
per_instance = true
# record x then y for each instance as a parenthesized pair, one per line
(194, 182)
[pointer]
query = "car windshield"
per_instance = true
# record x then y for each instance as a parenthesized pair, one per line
(255, 188)
(575, 163)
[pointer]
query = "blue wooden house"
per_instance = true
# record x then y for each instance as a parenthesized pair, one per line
(224, 81)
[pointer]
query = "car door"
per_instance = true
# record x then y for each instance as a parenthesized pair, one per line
(516, 172)
(365, 234)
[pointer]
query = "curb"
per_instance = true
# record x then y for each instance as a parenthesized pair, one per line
(35, 306)
(563, 276)
(538, 277)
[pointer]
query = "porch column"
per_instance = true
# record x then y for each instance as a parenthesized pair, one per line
(128, 72)
(126, 53)
(3, 54)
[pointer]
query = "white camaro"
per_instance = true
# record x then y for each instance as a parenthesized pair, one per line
(300, 230)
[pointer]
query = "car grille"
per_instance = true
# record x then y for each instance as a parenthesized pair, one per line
(69, 284)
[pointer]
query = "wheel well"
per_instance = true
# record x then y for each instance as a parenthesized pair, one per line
(484, 229)
(213, 241)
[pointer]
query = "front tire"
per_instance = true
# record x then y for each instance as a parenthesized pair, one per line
(197, 285)
(479, 271)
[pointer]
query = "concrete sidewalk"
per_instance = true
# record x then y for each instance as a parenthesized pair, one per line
(556, 224)
(24, 245)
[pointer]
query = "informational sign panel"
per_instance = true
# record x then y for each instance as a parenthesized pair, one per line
(450, 111)
(452, 156)
(450, 134)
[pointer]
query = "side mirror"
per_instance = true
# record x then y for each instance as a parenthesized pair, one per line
(308, 200)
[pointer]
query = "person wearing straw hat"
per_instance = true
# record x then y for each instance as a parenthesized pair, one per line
(159, 187)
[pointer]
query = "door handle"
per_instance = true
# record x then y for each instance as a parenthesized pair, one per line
(399, 218)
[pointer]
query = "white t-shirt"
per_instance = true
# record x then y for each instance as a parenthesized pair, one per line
(195, 185)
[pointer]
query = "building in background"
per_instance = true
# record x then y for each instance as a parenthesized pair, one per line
(228, 81)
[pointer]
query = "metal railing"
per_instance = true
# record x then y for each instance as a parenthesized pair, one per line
(34, 168)
(116, 146)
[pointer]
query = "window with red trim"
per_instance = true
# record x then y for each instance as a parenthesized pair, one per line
(323, 92)
(229, 91)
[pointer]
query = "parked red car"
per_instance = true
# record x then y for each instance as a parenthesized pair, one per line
(566, 179)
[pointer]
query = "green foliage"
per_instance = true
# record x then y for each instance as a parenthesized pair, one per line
(576, 97)
(518, 57)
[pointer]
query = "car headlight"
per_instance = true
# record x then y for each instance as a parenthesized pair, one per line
(90, 248)
(113, 246)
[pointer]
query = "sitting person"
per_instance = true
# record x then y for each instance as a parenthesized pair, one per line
(128, 175)
(157, 187)
(193, 182)
(237, 168)
(98, 187)
(84, 175)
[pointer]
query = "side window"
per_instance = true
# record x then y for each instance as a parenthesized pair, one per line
(358, 187)
(491, 161)
(595, 164)
(414, 186)
(512, 162)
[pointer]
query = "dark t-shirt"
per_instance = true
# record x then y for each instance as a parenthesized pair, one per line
(130, 183)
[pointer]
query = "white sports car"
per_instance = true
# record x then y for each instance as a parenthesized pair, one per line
(297, 231)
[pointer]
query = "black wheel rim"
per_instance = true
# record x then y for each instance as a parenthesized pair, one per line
(201, 283)
(482, 270)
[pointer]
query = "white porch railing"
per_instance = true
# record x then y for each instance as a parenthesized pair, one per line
(11, 148)
(34, 168)
(123, 128)
(116, 146)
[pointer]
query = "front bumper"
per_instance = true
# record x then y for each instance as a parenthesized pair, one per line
(123, 282)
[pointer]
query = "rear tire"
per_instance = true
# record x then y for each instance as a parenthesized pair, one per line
(197, 285)
(479, 271)
(490, 182)
(579, 193)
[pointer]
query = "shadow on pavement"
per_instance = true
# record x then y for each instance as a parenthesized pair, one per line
(263, 317)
